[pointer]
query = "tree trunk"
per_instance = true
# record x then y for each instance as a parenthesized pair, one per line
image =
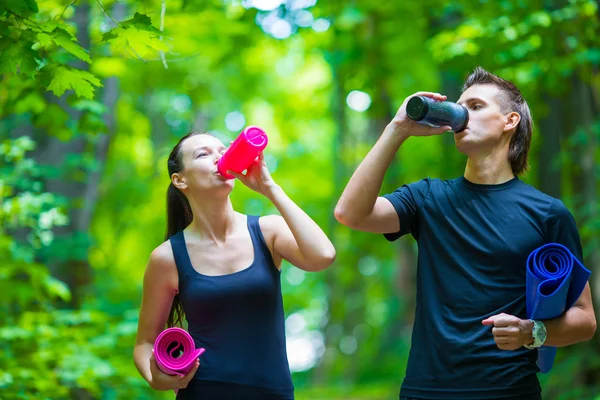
(549, 171)
(333, 315)
(79, 185)
(579, 117)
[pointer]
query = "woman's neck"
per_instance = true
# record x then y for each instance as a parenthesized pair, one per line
(214, 219)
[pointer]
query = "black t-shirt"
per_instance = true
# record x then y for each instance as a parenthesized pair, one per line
(473, 243)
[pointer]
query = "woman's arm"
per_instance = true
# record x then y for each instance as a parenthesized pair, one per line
(297, 238)
(160, 287)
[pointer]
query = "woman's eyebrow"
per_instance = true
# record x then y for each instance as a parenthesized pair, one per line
(199, 148)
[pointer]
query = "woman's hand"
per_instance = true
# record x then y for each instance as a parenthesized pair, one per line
(257, 177)
(161, 381)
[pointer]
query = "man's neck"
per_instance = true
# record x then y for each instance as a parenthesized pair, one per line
(493, 169)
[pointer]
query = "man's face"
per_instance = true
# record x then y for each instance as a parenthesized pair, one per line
(487, 124)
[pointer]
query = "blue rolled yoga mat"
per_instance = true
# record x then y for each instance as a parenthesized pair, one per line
(555, 280)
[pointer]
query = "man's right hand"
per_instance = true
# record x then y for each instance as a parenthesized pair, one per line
(162, 381)
(404, 126)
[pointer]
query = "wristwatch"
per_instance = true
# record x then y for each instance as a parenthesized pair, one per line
(538, 333)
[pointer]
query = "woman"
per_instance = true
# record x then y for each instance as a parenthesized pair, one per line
(222, 270)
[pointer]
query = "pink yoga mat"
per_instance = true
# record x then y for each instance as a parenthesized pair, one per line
(175, 351)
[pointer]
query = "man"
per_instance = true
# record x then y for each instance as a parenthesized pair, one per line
(471, 338)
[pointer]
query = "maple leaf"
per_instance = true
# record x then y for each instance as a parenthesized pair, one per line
(82, 82)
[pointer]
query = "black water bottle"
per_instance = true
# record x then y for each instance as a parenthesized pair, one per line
(427, 111)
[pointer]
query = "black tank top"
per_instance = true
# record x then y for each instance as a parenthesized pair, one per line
(238, 318)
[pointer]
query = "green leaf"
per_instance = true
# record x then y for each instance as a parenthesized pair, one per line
(48, 26)
(17, 57)
(51, 117)
(67, 42)
(108, 36)
(82, 82)
(91, 123)
(4, 28)
(135, 32)
(45, 39)
(57, 288)
(22, 7)
(90, 105)
(141, 22)
(31, 102)
(137, 43)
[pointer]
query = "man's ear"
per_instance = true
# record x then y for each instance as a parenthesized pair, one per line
(178, 181)
(512, 120)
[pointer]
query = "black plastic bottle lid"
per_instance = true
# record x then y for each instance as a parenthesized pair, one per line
(416, 108)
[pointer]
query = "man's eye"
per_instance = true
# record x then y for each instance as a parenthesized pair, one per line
(477, 107)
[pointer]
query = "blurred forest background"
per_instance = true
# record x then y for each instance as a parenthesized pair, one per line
(93, 95)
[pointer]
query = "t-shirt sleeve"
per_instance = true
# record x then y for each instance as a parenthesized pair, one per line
(407, 200)
(562, 229)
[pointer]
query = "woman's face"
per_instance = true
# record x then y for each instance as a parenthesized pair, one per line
(199, 155)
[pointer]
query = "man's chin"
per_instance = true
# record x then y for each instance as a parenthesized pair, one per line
(463, 145)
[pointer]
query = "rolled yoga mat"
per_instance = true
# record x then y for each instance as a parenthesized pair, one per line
(175, 351)
(555, 280)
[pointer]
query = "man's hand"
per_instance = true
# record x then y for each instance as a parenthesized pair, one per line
(405, 126)
(510, 332)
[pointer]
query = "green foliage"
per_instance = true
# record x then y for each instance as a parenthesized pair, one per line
(25, 7)
(65, 40)
(64, 78)
(136, 37)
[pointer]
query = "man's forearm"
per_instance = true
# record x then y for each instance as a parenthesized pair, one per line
(574, 326)
(362, 190)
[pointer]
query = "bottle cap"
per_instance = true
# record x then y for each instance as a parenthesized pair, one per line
(417, 108)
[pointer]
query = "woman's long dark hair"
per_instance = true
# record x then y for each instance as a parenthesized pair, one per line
(179, 216)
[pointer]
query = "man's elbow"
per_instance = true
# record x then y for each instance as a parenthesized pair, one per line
(340, 214)
(587, 329)
(591, 331)
(344, 217)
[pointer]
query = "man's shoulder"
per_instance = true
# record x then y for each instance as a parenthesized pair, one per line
(537, 194)
(435, 183)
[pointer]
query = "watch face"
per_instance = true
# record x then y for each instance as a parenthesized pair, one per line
(540, 332)
(543, 334)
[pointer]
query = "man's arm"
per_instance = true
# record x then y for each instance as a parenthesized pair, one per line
(577, 324)
(360, 206)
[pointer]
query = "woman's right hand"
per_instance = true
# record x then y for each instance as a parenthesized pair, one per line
(162, 381)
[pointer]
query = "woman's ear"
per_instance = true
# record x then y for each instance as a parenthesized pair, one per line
(178, 181)
(512, 120)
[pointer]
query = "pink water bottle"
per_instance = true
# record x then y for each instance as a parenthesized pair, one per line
(243, 151)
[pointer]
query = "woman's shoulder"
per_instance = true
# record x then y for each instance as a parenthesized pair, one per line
(162, 256)
(161, 269)
(271, 222)
(269, 226)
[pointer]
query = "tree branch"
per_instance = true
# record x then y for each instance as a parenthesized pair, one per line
(108, 15)
(162, 28)
(59, 17)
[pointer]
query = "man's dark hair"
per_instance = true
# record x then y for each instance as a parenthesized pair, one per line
(511, 100)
